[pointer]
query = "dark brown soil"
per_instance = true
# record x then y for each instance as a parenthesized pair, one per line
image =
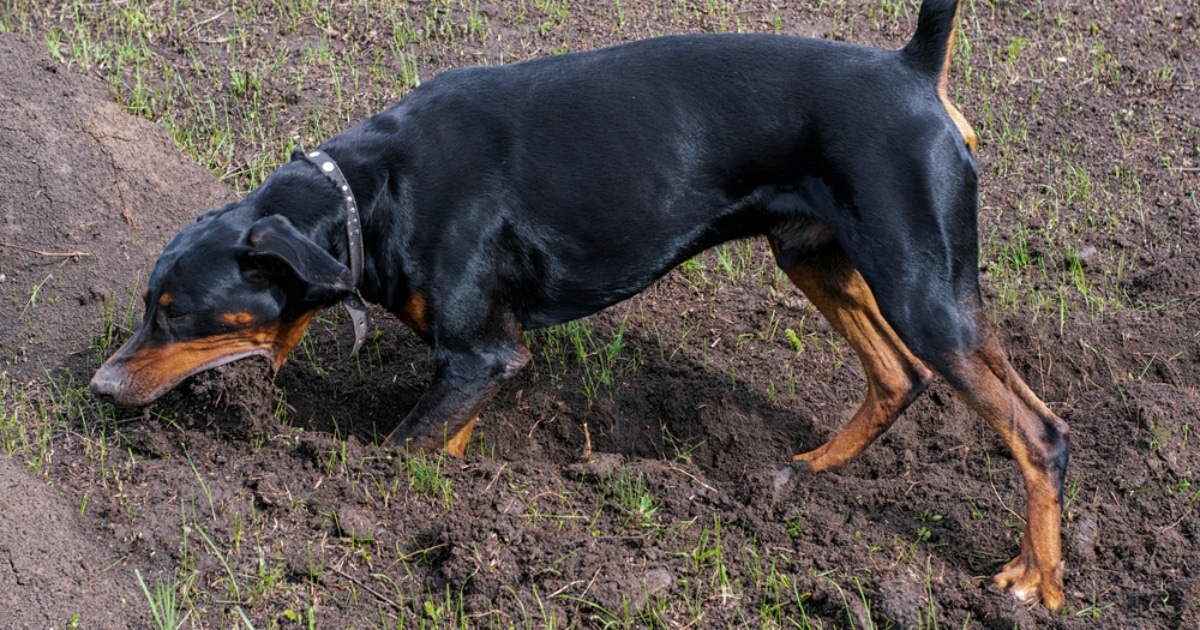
(89, 197)
(283, 478)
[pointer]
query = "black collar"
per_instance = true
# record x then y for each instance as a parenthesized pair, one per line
(353, 303)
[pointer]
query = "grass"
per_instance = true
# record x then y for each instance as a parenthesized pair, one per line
(425, 477)
(233, 85)
(574, 348)
(632, 499)
(164, 605)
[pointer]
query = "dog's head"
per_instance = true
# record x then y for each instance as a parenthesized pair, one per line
(234, 284)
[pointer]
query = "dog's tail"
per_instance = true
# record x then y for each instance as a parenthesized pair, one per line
(930, 47)
(929, 51)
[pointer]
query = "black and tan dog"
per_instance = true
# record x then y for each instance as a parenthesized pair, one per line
(497, 200)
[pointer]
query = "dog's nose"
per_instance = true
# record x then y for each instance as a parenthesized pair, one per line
(105, 384)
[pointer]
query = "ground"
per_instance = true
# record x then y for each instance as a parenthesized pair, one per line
(246, 499)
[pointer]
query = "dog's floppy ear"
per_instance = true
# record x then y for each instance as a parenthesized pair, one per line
(276, 247)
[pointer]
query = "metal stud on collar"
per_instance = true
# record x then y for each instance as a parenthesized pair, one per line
(353, 303)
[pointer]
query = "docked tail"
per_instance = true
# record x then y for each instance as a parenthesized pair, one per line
(929, 51)
(930, 47)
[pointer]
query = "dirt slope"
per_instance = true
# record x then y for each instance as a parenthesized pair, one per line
(88, 197)
(54, 571)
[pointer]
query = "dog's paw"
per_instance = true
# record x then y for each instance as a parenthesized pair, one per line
(1031, 584)
(819, 459)
(414, 438)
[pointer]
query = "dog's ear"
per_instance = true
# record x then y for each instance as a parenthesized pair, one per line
(276, 248)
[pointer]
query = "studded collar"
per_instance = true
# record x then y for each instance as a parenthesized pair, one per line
(353, 303)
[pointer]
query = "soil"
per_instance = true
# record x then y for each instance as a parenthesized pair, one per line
(280, 472)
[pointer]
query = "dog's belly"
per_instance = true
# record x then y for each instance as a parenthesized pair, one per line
(617, 260)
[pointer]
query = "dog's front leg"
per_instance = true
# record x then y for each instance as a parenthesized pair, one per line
(463, 382)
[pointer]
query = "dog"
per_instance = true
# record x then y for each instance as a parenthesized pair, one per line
(496, 200)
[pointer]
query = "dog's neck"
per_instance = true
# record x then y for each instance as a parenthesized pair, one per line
(319, 209)
(352, 303)
(329, 168)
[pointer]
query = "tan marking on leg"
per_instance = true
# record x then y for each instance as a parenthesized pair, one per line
(457, 445)
(894, 376)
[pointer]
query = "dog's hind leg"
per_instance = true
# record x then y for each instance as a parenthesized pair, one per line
(894, 376)
(928, 291)
(915, 244)
(1038, 440)
(961, 346)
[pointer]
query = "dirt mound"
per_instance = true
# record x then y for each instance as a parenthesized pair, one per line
(89, 195)
(53, 571)
(88, 198)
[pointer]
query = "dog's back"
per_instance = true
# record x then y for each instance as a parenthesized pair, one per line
(683, 141)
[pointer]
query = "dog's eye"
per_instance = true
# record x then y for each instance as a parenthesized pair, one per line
(262, 272)
(169, 312)
(257, 277)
